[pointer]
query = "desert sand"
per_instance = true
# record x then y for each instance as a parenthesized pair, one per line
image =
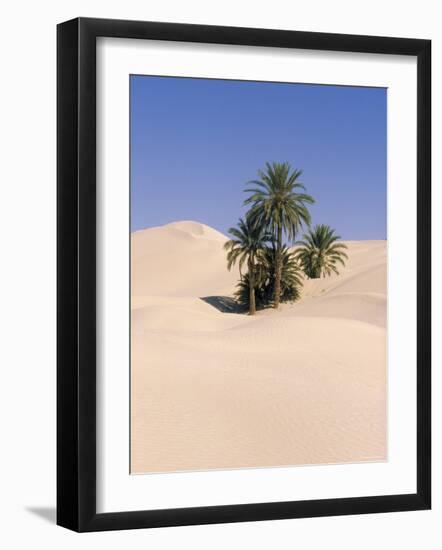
(211, 388)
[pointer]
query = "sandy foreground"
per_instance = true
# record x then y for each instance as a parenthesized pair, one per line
(214, 389)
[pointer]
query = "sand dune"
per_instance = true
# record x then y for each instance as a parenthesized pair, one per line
(213, 389)
(180, 259)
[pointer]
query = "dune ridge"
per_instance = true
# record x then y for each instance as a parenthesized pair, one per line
(215, 389)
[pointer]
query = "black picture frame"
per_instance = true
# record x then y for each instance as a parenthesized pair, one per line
(77, 287)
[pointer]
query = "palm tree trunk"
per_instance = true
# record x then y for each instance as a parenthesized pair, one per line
(278, 269)
(252, 302)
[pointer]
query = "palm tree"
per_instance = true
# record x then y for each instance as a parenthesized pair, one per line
(291, 280)
(278, 203)
(291, 275)
(320, 254)
(248, 244)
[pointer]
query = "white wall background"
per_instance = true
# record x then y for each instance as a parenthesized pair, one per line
(27, 286)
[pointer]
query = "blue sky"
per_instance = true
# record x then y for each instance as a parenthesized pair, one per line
(195, 143)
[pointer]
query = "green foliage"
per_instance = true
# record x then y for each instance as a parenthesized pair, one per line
(247, 245)
(291, 275)
(242, 294)
(278, 202)
(320, 253)
(264, 280)
(279, 208)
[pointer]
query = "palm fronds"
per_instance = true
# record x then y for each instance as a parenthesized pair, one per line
(320, 253)
(264, 280)
(247, 246)
(278, 202)
(270, 272)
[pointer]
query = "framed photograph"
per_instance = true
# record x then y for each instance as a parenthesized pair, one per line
(243, 274)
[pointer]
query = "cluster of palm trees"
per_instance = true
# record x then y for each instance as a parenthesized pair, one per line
(279, 209)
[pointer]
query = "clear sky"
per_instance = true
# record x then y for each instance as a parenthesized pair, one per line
(196, 142)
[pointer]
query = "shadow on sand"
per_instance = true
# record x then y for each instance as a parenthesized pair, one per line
(223, 304)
